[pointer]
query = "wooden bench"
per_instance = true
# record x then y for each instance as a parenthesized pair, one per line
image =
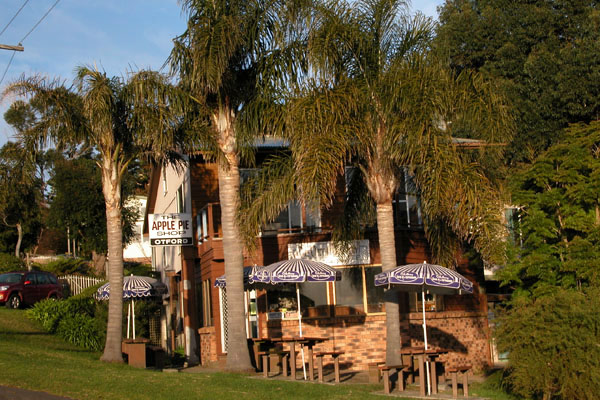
(336, 363)
(385, 372)
(454, 371)
(282, 356)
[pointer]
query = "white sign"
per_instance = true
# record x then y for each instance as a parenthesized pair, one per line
(170, 229)
(325, 252)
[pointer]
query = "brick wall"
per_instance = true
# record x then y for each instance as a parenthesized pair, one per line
(208, 345)
(362, 338)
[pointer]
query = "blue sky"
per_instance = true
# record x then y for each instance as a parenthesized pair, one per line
(117, 36)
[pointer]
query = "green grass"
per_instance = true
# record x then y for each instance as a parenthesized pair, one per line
(33, 359)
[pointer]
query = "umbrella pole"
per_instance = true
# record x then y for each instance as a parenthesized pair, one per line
(133, 319)
(425, 340)
(128, 318)
(300, 326)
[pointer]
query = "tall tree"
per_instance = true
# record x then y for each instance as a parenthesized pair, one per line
(559, 220)
(546, 55)
(122, 119)
(227, 59)
(77, 204)
(378, 100)
(19, 193)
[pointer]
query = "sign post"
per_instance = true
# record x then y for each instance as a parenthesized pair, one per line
(171, 229)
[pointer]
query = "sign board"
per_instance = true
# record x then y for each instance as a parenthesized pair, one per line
(170, 229)
(358, 253)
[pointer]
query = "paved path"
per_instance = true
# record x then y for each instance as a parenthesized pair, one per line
(10, 393)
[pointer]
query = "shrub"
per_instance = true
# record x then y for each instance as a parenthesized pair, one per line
(8, 263)
(81, 330)
(48, 313)
(553, 345)
(68, 266)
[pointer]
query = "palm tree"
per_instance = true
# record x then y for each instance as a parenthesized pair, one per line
(229, 60)
(122, 120)
(377, 99)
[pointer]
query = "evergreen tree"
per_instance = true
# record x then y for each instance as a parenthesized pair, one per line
(545, 53)
(560, 217)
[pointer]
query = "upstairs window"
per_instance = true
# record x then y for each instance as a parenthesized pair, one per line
(407, 208)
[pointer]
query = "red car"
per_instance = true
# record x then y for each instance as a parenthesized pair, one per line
(27, 287)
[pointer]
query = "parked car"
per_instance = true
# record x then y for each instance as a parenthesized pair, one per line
(27, 287)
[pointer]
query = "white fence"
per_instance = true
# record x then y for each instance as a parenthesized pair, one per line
(78, 283)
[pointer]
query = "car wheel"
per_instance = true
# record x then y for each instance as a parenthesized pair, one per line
(14, 301)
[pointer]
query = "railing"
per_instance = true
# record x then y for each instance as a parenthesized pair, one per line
(78, 283)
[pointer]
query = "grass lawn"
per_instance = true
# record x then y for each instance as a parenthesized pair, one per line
(33, 359)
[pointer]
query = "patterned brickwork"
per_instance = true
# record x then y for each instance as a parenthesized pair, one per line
(208, 345)
(362, 338)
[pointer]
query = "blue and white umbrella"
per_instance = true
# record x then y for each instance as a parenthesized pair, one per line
(296, 271)
(423, 278)
(134, 287)
(221, 281)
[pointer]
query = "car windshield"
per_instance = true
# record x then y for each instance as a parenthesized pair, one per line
(11, 277)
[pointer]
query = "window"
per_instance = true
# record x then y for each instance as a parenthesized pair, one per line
(164, 181)
(202, 225)
(204, 300)
(433, 302)
(283, 301)
(290, 219)
(181, 199)
(407, 210)
(356, 292)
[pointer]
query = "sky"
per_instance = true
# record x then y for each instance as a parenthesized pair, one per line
(115, 35)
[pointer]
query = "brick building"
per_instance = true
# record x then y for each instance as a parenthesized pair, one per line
(350, 311)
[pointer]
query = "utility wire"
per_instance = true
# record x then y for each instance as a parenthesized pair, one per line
(41, 19)
(24, 37)
(15, 16)
(7, 67)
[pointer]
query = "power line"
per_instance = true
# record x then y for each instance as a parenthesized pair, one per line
(24, 37)
(7, 67)
(15, 16)
(41, 19)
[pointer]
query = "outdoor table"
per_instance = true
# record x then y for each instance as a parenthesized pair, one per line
(422, 356)
(307, 341)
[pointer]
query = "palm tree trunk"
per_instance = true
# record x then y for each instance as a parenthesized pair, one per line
(111, 186)
(238, 357)
(387, 248)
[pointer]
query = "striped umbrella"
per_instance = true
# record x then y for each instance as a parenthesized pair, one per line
(134, 287)
(425, 277)
(296, 271)
(221, 282)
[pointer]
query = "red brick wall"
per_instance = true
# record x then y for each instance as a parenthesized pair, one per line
(362, 338)
(208, 345)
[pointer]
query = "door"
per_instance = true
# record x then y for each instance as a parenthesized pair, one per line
(30, 288)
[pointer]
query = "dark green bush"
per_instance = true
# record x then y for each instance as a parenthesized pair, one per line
(68, 266)
(8, 263)
(81, 330)
(553, 345)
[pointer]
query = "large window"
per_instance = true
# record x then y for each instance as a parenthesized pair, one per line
(433, 302)
(356, 292)
(204, 300)
(282, 301)
(407, 210)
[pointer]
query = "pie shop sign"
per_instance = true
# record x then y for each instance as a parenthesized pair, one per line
(170, 229)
